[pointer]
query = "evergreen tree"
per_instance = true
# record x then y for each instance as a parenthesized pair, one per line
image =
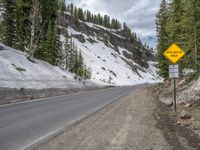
(100, 19)
(161, 22)
(46, 53)
(62, 5)
(72, 56)
(72, 9)
(76, 62)
(126, 31)
(106, 21)
(113, 23)
(179, 23)
(35, 27)
(88, 17)
(80, 64)
(23, 24)
(49, 20)
(9, 23)
(76, 13)
(66, 53)
(80, 14)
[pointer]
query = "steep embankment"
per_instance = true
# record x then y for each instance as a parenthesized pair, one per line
(188, 91)
(18, 70)
(112, 57)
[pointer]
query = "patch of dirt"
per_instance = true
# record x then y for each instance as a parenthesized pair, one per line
(175, 132)
(193, 123)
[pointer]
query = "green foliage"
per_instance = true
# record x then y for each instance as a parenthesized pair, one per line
(73, 60)
(9, 23)
(62, 5)
(161, 22)
(30, 25)
(23, 24)
(105, 20)
(80, 14)
(179, 22)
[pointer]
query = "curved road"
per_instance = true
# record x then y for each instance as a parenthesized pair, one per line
(24, 125)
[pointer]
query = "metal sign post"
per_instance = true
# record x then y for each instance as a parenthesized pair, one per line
(173, 74)
(175, 95)
(174, 53)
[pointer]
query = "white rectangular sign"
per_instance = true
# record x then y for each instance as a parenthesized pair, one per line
(173, 71)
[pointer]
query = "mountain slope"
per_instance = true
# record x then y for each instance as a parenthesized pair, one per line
(112, 57)
(18, 70)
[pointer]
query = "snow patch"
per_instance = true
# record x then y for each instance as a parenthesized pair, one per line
(108, 67)
(17, 71)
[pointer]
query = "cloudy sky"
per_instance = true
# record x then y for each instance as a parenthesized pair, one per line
(138, 14)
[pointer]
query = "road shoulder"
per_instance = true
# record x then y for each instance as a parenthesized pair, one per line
(135, 122)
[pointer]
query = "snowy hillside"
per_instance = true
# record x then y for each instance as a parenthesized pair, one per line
(113, 59)
(106, 63)
(17, 71)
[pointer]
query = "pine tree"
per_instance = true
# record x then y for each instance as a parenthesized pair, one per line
(9, 23)
(174, 22)
(80, 14)
(66, 53)
(106, 21)
(76, 62)
(113, 23)
(161, 22)
(80, 71)
(62, 5)
(72, 9)
(49, 39)
(72, 56)
(197, 34)
(23, 24)
(35, 27)
(46, 53)
(88, 17)
(1, 16)
(100, 19)
(76, 13)
(126, 31)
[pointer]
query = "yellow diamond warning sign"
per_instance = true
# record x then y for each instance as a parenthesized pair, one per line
(174, 53)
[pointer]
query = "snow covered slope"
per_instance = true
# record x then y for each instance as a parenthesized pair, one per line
(113, 59)
(107, 63)
(17, 71)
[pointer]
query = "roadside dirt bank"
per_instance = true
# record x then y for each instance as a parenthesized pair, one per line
(8, 95)
(137, 121)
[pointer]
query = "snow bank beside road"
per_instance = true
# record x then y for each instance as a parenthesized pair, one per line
(17, 71)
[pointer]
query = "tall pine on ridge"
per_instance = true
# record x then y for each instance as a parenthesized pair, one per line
(161, 22)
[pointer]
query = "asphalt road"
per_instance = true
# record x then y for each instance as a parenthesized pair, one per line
(24, 125)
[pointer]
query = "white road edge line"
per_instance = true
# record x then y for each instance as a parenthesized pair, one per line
(48, 135)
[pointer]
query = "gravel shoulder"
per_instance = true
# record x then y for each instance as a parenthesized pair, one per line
(137, 121)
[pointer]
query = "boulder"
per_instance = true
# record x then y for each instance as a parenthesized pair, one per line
(185, 115)
(188, 105)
